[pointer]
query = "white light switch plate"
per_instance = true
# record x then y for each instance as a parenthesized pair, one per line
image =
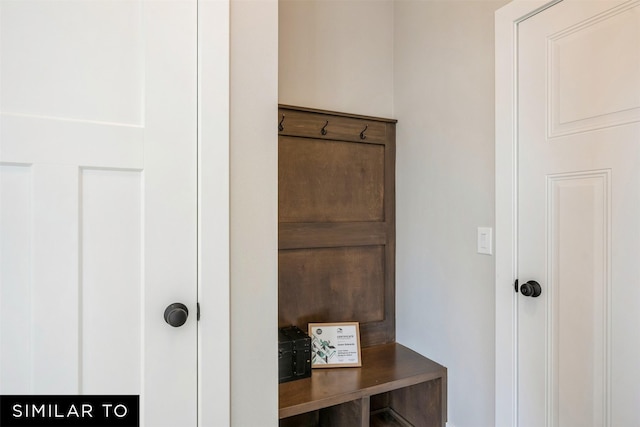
(485, 240)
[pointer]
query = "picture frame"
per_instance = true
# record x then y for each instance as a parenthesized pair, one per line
(335, 345)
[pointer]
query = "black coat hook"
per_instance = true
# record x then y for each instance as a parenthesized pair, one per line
(362, 135)
(324, 128)
(281, 124)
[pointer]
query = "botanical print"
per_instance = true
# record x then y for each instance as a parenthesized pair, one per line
(322, 350)
(335, 344)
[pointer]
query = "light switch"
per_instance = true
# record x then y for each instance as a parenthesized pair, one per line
(485, 240)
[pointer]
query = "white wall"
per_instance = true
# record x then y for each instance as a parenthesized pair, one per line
(337, 55)
(428, 64)
(444, 98)
(254, 213)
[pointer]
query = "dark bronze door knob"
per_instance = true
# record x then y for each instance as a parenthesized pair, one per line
(176, 314)
(531, 289)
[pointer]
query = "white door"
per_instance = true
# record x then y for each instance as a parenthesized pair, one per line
(98, 199)
(579, 215)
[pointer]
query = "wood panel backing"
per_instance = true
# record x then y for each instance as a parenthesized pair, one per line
(349, 414)
(329, 181)
(421, 404)
(331, 285)
(337, 221)
(333, 126)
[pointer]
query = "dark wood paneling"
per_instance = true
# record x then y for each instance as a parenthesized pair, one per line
(331, 235)
(308, 419)
(388, 418)
(337, 263)
(336, 126)
(331, 285)
(420, 404)
(337, 193)
(284, 107)
(379, 402)
(330, 181)
(348, 414)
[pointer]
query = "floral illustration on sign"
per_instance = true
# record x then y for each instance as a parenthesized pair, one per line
(323, 351)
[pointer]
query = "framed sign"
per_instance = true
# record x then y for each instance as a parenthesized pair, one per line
(335, 345)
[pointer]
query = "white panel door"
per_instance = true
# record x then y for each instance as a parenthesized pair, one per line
(579, 215)
(98, 183)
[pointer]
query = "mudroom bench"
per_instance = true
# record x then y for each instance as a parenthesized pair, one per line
(394, 387)
(336, 263)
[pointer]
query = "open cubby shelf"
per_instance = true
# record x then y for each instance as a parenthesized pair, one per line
(392, 377)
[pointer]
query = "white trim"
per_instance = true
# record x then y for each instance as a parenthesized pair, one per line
(214, 396)
(506, 35)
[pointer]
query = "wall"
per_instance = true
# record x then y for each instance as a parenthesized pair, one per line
(336, 55)
(439, 57)
(253, 211)
(444, 100)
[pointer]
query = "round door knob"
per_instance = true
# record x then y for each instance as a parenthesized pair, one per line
(176, 314)
(531, 289)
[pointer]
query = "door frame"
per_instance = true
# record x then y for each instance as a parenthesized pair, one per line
(507, 20)
(214, 336)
